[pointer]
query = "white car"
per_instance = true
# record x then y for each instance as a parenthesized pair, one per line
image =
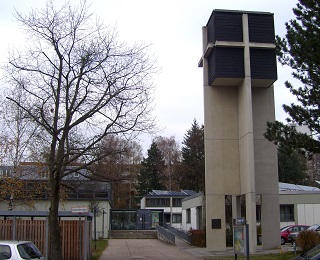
(18, 250)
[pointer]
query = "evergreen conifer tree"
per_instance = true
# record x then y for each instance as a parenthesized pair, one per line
(300, 49)
(193, 170)
(292, 166)
(152, 168)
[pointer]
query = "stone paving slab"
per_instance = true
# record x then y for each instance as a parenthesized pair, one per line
(123, 249)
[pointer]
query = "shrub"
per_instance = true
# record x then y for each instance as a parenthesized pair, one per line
(307, 239)
(198, 237)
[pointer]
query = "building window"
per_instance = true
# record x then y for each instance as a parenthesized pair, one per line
(188, 211)
(258, 213)
(176, 202)
(167, 218)
(5, 173)
(176, 218)
(157, 202)
(286, 213)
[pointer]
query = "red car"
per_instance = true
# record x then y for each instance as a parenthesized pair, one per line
(286, 231)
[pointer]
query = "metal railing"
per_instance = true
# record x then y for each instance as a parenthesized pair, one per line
(166, 235)
(184, 235)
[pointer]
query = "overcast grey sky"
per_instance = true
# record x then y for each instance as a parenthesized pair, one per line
(174, 28)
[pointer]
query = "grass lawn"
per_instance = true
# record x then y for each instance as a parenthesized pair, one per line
(100, 246)
(280, 256)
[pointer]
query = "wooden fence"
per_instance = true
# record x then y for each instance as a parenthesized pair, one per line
(76, 236)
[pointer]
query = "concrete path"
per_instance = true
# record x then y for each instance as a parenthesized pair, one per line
(123, 249)
(126, 249)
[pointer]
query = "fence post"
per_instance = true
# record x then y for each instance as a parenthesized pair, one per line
(14, 223)
(47, 237)
(86, 239)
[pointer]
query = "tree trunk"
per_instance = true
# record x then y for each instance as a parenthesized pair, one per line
(54, 226)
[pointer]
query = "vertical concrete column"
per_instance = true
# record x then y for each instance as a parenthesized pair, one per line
(251, 220)
(268, 225)
(215, 236)
(246, 141)
(266, 167)
(215, 203)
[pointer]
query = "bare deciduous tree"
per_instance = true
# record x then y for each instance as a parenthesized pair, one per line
(172, 157)
(17, 134)
(82, 85)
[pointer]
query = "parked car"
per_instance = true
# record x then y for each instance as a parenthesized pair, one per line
(312, 254)
(286, 231)
(292, 236)
(19, 250)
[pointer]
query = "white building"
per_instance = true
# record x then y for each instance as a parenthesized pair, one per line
(299, 204)
(170, 202)
(193, 212)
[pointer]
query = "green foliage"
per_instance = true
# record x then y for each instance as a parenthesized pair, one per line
(300, 49)
(292, 166)
(152, 168)
(101, 245)
(280, 256)
(193, 168)
(229, 237)
(307, 239)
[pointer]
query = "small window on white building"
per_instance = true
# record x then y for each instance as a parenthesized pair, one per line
(157, 202)
(176, 218)
(188, 211)
(286, 213)
(176, 202)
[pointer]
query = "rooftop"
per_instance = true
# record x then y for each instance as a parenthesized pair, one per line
(296, 187)
(171, 193)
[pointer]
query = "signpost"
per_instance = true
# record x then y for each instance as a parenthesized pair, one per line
(240, 237)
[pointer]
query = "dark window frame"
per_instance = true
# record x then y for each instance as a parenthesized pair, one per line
(177, 218)
(287, 213)
(176, 202)
(188, 215)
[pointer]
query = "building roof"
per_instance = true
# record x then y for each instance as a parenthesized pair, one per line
(296, 187)
(42, 214)
(183, 193)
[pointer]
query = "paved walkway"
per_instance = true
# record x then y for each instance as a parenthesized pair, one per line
(126, 249)
(123, 249)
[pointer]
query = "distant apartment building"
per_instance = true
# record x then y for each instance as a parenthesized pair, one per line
(78, 190)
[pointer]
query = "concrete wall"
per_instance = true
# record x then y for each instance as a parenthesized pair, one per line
(192, 204)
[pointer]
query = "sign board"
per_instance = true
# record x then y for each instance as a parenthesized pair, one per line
(239, 240)
(79, 209)
(239, 221)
